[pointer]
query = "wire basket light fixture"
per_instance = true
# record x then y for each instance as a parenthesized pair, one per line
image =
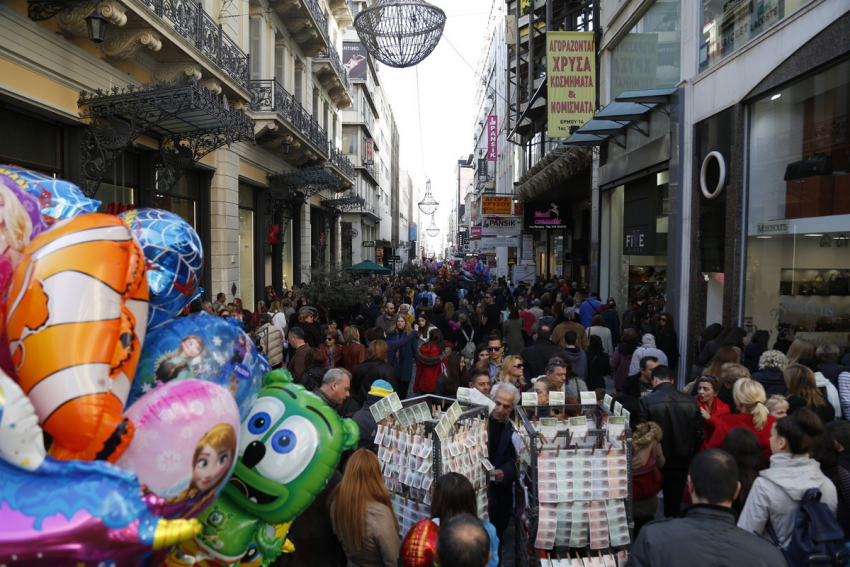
(400, 33)
(432, 230)
(428, 204)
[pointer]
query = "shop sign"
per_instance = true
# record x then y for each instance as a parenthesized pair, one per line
(492, 137)
(495, 205)
(639, 218)
(506, 226)
(370, 152)
(510, 30)
(571, 72)
(523, 274)
(482, 168)
(518, 209)
(634, 63)
(503, 242)
(413, 231)
(540, 216)
(354, 60)
(368, 244)
(772, 227)
(490, 188)
(527, 248)
(475, 232)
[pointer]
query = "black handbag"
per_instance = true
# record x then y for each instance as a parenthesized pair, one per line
(816, 164)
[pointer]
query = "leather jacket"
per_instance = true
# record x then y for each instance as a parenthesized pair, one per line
(679, 417)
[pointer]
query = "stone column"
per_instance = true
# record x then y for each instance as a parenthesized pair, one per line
(305, 244)
(224, 224)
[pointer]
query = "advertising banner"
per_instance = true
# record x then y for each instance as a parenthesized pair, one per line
(475, 232)
(540, 216)
(486, 243)
(500, 206)
(518, 209)
(354, 60)
(492, 137)
(507, 226)
(527, 249)
(523, 274)
(413, 232)
(370, 152)
(571, 72)
(483, 168)
(634, 63)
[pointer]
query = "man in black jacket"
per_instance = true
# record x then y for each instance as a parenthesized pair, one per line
(502, 453)
(713, 484)
(536, 357)
(680, 419)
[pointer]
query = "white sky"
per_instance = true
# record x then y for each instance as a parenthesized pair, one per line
(447, 87)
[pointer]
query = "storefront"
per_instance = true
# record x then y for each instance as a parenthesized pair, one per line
(797, 279)
(551, 227)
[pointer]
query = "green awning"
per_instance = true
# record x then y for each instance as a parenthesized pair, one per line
(368, 267)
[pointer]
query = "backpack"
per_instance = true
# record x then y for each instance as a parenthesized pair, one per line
(468, 351)
(817, 540)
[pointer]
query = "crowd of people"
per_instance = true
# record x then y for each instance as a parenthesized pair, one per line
(733, 453)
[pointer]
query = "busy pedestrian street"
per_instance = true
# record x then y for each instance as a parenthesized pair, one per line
(420, 283)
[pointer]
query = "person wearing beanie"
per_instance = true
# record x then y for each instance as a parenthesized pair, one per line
(364, 419)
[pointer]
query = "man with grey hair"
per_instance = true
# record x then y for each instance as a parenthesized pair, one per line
(558, 371)
(464, 309)
(336, 386)
(537, 311)
(207, 306)
(502, 454)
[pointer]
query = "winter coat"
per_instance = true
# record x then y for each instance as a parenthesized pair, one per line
(512, 332)
(578, 360)
(678, 416)
(380, 544)
(366, 422)
(581, 335)
(332, 358)
(646, 444)
(704, 536)
(312, 377)
(588, 310)
(732, 420)
(612, 321)
(646, 349)
(825, 412)
(352, 355)
(401, 358)
(311, 334)
(777, 492)
(598, 367)
(718, 410)
(773, 381)
(605, 334)
(536, 358)
(271, 339)
(831, 370)
(313, 536)
(621, 362)
(429, 360)
(668, 343)
(708, 352)
(367, 372)
(752, 354)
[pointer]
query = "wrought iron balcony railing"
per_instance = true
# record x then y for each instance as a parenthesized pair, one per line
(332, 56)
(319, 16)
(270, 96)
(189, 19)
(339, 160)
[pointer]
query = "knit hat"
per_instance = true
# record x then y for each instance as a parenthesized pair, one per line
(381, 389)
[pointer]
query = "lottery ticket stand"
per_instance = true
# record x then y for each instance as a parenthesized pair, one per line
(573, 496)
(419, 440)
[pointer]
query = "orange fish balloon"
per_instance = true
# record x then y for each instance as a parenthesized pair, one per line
(77, 315)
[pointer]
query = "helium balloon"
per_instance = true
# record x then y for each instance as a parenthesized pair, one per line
(20, 222)
(419, 548)
(184, 448)
(175, 261)
(76, 323)
(288, 448)
(203, 347)
(70, 513)
(59, 199)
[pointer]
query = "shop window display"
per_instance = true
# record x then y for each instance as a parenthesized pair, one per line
(798, 227)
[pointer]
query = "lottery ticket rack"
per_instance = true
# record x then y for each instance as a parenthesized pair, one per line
(574, 506)
(421, 439)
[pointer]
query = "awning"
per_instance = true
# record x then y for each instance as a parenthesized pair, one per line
(308, 181)
(553, 168)
(628, 108)
(368, 267)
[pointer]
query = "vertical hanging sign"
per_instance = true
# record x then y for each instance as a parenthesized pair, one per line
(571, 73)
(492, 137)
(370, 152)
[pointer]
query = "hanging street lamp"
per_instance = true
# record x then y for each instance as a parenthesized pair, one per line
(400, 33)
(428, 205)
(432, 230)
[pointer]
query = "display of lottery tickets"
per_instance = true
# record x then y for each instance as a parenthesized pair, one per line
(575, 474)
(419, 442)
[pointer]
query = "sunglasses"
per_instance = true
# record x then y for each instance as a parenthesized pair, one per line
(518, 366)
(328, 339)
(492, 348)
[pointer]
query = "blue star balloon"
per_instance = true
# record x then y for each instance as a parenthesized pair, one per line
(202, 347)
(59, 199)
(175, 261)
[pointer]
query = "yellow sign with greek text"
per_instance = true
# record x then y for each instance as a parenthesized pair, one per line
(571, 73)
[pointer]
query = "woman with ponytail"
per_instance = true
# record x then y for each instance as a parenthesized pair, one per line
(749, 398)
(777, 493)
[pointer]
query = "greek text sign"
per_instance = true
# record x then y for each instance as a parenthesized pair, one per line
(571, 72)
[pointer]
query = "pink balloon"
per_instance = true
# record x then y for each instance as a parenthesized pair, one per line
(185, 445)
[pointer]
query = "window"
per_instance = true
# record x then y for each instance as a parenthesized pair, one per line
(183, 200)
(335, 127)
(797, 281)
(316, 114)
(119, 182)
(649, 56)
(325, 110)
(256, 48)
(349, 139)
(298, 84)
(246, 245)
(36, 143)
(280, 64)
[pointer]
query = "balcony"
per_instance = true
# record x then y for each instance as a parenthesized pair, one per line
(306, 22)
(333, 76)
(370, 170)
(284, 127)
(342, 12)
(341, 165)
(179, 35)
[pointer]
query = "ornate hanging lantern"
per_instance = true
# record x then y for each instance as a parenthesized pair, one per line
(432, 230)
(428, 205)
(400, 33)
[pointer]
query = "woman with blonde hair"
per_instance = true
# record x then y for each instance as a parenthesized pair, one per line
(362, 514)
(804, 393)
(750, 400)
(511, 372)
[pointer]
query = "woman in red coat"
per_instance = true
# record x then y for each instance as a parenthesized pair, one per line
(749, 398)
(430, 359)
(712, 407)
